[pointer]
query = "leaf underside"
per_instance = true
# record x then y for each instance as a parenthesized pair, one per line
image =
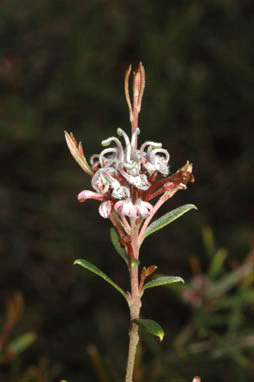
(151, 327)
(115, 241)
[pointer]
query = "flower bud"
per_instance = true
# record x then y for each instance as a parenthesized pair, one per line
(138, 86)
(138, 90)
(105, 209)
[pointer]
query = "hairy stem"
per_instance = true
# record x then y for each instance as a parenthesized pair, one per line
(135, 305)
(134, 338)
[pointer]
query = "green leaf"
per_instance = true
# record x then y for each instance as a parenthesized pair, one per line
(115, 241)
(168, 218)
(162, 281)
(151, 327)
(92, 268)
(22, 342)
(216, 266)
(208, 240)
(229, 281)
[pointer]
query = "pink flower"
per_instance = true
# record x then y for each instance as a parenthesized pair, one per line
(105, 209)
(126, 208)
(139, 209)
(143, 208)
(87, 194)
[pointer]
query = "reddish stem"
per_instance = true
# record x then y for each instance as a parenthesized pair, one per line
(135, 303)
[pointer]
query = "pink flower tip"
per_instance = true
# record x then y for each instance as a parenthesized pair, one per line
(87, 194)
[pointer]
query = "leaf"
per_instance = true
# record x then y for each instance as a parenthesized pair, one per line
(216, 265)
(151, 327)
(92, 268)
(115, 241)
(162, 281)
(22, 342)
(168, 218)
(208, 240)
(230, 280)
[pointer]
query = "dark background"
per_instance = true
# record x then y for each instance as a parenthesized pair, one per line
(62, 65)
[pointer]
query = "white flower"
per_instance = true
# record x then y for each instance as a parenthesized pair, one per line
(103, 178)
(157, 162)
(121, 175)
(120, 192)
(140, 181)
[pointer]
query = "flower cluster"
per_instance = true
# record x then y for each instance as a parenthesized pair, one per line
(122, 175)
(125, 178)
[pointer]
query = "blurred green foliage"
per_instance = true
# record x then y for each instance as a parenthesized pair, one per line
(62, 66)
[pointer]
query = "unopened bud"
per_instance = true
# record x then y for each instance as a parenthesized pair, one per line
(105, 209)
(138, 90)
(136, 83)
(138, 86)
(149, 270)
(127, 94)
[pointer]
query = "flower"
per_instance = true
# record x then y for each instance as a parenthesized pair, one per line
(105, 209)
(133, 210)
(87, 194)
(143, 208)
(126, 208)
(121, 173)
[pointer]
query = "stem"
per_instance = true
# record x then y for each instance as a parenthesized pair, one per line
(135, 305)
(149, 218)
(167, 195)
(134, 338)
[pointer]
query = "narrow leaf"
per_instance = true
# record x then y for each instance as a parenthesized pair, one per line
(216, 266)
(151, 327)
(168, 218)
(230, 280)
(92, 268)
(115, 241)
(208, 240)
(162, 281)
(22, 342)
